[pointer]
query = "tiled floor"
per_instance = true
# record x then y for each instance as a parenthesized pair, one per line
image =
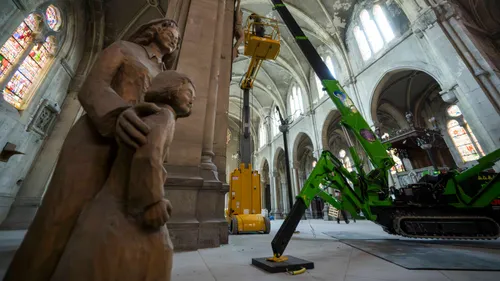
(333, 259)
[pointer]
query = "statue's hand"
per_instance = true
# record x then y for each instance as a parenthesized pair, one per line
(130, 129)
(158, 214)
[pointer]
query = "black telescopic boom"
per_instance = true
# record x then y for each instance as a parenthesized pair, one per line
(287, 160)
(317, 64)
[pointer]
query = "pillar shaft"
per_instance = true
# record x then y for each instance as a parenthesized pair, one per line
(209, 125)
(196, 193)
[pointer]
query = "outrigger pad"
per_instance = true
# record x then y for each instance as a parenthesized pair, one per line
(291, 264)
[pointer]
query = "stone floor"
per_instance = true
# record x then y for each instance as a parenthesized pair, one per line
(333, 259)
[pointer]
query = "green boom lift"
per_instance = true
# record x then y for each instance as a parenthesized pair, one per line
(453, 205)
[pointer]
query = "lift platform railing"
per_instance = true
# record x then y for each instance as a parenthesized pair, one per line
(270, 26)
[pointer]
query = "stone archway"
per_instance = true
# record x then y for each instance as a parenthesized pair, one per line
(304, 161)
(409, 113)
(334, 140)
(279, 183)
(265, 185)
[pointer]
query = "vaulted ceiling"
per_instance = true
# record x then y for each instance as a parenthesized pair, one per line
(323, 22)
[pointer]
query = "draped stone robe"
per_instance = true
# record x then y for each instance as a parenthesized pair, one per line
(110, 240)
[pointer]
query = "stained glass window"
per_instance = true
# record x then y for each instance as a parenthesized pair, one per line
(17, 88)
(454, 111)
(481, 152)
(33, 21)
(462, 141)
(53, 17)
(398, 167)
(11, 50)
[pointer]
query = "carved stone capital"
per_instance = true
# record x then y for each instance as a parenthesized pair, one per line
(449, 95)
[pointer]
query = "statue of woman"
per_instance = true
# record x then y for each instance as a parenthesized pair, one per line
(121, 233)
(113, 98)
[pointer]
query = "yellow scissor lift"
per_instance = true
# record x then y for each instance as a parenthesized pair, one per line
(244, 204)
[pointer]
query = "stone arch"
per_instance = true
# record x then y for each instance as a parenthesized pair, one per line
(332, 116)
(387, 73)
(265, 179)
(297, 142)
(279, 178)
(275, 157)
(407, 101)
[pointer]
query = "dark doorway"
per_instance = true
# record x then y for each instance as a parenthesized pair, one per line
(317, 206)
(268, 197)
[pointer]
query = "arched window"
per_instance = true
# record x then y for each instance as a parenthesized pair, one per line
(26, 55)
(375, 31)
(398, 167)
(275, 122)
(319, 86)
(363, 45)
(262, 135)
(463, 142)
(291, 102)
(53, 18)
(329, 64)
(371, 30)
(383, 23)
(346, 161)
(463, 138)
(295, 101)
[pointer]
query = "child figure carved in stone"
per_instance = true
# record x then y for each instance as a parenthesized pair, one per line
(121, 234)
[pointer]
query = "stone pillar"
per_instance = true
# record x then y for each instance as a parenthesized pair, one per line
(276, 200)
(302, 178)
(296, 182)
(263, 191)
(284, 197)
(193, 184)
(325, 212)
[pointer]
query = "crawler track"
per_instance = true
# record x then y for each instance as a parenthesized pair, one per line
(446, 227)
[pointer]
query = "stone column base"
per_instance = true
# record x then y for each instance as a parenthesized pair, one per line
(309, 214)
(277, 214)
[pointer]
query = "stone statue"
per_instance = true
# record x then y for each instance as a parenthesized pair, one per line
(113, 98)
(238, 32)
(121, 233)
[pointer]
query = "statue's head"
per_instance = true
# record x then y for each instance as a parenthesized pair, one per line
(175, 89)
(163, 32)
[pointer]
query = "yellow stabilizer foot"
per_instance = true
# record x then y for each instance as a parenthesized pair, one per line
(297, 272)
(278, 259)
(289, 264)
